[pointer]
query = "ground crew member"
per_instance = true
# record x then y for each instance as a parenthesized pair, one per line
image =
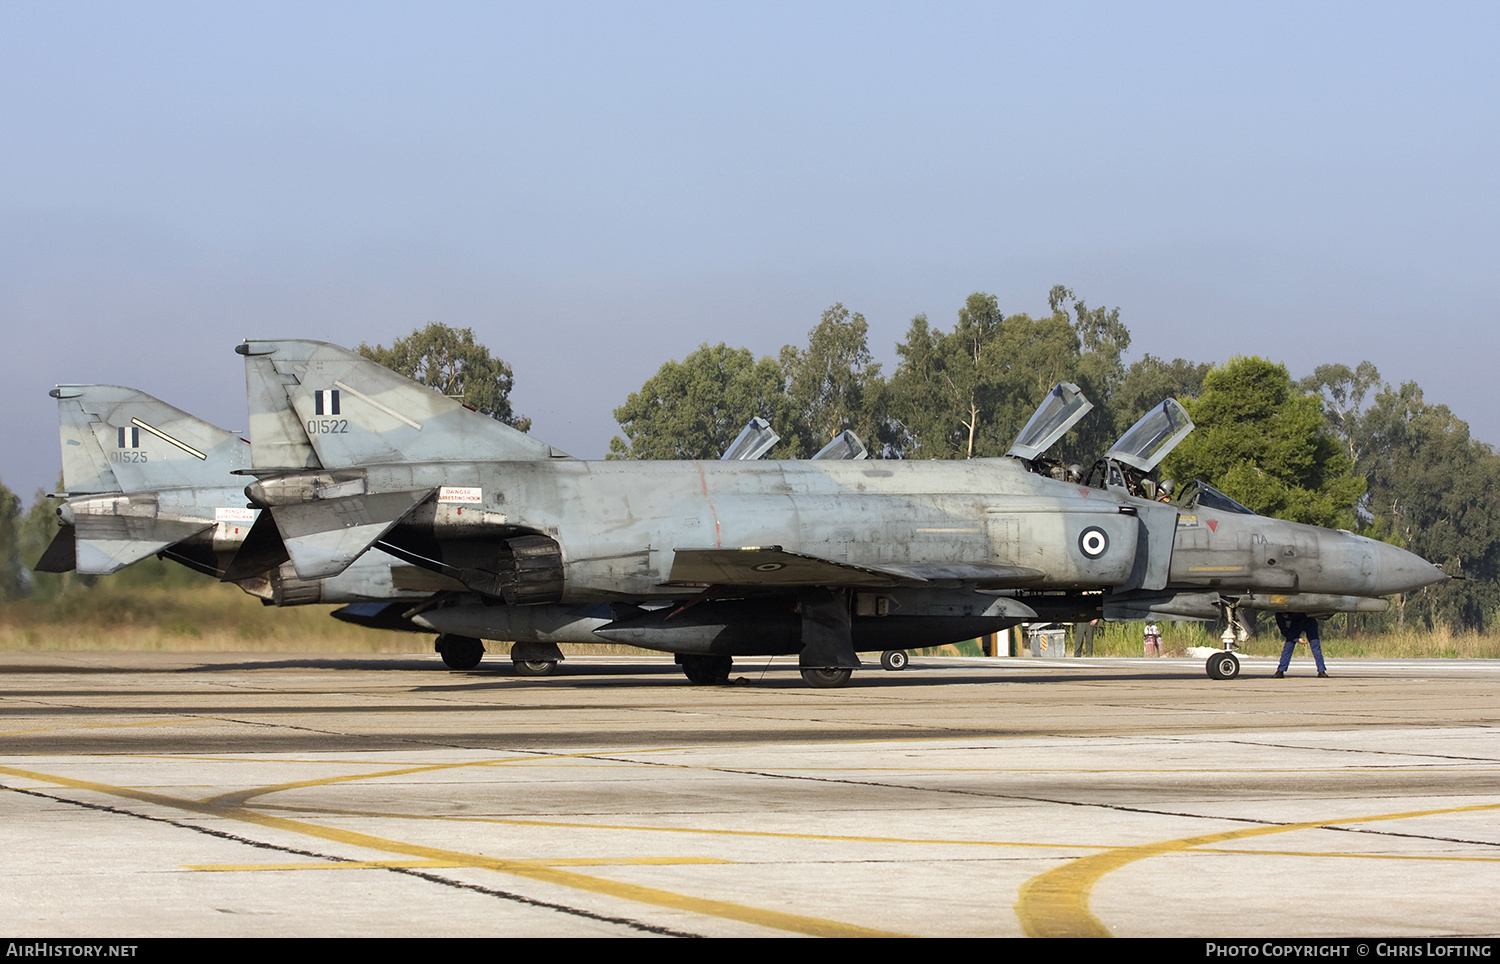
(1293, 626)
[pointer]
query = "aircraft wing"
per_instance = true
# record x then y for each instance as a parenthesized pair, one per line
(324, 537)
(775, 567)
(106, 543)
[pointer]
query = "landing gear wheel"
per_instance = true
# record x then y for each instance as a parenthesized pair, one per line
(1223, 666)
(534, 667)
(893, 659)
(459, 652)
(707, 670)
(826, 679)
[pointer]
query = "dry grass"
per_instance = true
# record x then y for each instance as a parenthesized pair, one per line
(208, 617)
(211, 617)
(1125, 639)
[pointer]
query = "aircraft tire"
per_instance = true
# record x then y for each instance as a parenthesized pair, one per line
(460, 652)
(534, 667)
(1223, 666)
(826, 678)
(707, 670)
(893, 659)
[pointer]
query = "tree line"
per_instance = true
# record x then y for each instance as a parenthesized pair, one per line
(1340, 447)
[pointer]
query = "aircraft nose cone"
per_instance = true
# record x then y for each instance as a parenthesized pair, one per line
(1400, 571)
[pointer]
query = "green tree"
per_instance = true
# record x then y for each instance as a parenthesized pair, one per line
(13, 582)
(1264, 443)
(967, 393)
(451, 361)
(835, 384)
(693, 409)
(1436, 491)
(1098, 370)
(1343, 391)
(1147, 382)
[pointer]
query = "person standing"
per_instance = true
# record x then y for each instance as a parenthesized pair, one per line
(1293, 626)
(1153, 639)
(1084, 643)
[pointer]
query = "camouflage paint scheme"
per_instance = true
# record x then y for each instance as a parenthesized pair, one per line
(714, 559)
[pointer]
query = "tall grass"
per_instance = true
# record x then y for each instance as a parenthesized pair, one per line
(1128, 639)
(211, 617)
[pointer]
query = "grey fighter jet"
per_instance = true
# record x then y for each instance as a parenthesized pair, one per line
(143, 478)
(709, 560)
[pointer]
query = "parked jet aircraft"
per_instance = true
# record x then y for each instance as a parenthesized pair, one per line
(143, 478)
(709, 560)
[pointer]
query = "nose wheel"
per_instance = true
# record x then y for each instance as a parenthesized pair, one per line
(893, 659)
(1224, 665)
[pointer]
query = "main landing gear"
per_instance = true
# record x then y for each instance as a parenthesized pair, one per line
(826, 678)
(706, 670)
(459, 652)
(535, 659)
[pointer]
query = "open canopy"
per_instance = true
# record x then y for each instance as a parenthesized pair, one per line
(1149, 440)
(1059, 411)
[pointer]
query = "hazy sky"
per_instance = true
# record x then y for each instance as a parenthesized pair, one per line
(598, 188)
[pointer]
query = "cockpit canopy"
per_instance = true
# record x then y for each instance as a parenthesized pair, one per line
(1155, 434)
(1059, 411)
(754, 441)
(1198, 494)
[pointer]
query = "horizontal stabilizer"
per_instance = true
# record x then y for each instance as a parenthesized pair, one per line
(324, 537)
(107, 543)
(61, 555)
(260, 552)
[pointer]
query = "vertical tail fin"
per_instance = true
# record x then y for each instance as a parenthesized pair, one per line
(316, 405)
(117, 439)
(141, 476)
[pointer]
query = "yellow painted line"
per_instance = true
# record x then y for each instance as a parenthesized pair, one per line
(708, 831)
(411, 864)
(103, 726)
(1055, 903)
(760, 917)
(240, 796)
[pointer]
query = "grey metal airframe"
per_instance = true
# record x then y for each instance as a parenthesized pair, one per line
(713, 559)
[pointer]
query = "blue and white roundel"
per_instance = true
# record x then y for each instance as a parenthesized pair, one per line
(1093, 542)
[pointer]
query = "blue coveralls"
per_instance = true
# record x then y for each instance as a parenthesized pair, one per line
(1292, 626)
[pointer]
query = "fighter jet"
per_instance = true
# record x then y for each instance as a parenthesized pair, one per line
(710, 560)
(143, 478)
